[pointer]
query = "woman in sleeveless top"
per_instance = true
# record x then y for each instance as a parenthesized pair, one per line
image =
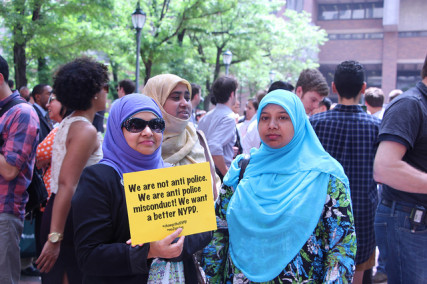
(80, 85)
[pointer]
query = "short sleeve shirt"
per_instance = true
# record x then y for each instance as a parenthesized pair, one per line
(405, 122)
(219, 127)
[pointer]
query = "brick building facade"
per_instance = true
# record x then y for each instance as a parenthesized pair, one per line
(388, 37)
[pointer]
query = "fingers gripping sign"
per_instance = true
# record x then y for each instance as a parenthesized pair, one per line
(170, 198)
(167, 248)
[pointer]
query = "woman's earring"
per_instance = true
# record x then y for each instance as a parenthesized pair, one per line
(96, 97)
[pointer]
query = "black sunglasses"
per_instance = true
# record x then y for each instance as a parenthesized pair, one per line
(136, 125)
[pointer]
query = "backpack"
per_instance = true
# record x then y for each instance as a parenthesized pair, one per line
(37, 193)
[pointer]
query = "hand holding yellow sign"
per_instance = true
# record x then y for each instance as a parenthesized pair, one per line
(162, 200)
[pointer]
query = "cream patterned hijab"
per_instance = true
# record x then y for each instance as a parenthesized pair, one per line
(180, 142)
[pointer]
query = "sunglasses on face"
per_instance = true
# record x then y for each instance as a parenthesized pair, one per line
(51, 98)
(136, 125)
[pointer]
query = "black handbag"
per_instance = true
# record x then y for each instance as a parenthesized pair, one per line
(37, 193)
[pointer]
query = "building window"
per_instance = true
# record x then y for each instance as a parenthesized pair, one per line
(374, 36)
(356, 36)
(344, 12)
(328, 12)
(372, 10)
(358, 11)
(296, 5)
(413, 34)
(373, 77)
(407, 79)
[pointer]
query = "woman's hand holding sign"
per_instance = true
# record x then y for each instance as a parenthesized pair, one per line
(167, 248)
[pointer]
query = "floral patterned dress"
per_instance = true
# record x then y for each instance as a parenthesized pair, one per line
(327, 256)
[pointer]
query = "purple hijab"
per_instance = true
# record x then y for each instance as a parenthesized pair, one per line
(117, 153)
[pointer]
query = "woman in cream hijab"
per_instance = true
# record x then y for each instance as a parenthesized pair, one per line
(182, 144)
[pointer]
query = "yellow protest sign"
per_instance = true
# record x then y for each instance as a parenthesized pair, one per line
(163, 200)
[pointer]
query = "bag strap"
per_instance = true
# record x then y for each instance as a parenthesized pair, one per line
(9, 105)
(243, 163)
(202, 141)
(4, 109)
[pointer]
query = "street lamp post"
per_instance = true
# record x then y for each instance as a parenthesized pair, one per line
(226, 57)
(272, 75)
(138, 21)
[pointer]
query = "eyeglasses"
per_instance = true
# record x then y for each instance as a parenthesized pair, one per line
(51, 98)
(136, 125)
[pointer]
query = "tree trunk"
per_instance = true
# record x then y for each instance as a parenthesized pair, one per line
(20, 41)
(180, 37)
(20, 64)
(115, 83)
(217, 63)
(148, 66)
(207, 100)
(43, 73)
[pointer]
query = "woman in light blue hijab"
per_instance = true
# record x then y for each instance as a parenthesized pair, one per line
(289, 219)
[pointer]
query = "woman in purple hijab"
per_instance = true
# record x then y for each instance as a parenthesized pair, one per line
(132, 143)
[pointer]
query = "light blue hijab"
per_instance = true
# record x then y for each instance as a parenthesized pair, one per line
(278, 203)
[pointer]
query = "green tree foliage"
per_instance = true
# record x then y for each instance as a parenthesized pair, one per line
(164, 44)
(260, 42)
(186, 38)
(45, 34)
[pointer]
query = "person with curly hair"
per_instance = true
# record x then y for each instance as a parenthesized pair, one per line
(80, 85)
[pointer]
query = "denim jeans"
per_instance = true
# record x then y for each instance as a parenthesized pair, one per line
(403, 248)
(381, 264)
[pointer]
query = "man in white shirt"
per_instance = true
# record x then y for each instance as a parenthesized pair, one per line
(219, 124)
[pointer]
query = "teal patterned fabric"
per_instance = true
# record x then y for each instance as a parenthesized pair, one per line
(327, 256)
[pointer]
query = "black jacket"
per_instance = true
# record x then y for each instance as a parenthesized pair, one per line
(44, 125)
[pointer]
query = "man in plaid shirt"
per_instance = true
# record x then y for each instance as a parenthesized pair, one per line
(19, 128)
(350, 135)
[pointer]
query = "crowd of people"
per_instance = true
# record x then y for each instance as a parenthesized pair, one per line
(305, 189)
